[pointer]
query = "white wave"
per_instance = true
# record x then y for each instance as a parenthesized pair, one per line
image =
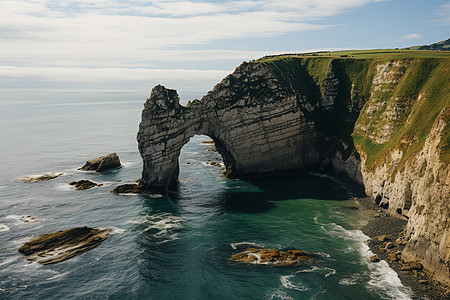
(327, 271)
(9, 261)
(25, 219)
(279, 295)
(3, 227)
(58, 276)
(235, 245)
(382, 278)
(332, 272)
(165, 225)
(323, 254)
(116, 230)
(64, 187)
(193, 152)
(127, 164)
(353, 279)
(287, 283)
(313, 269)
(155, 196)
(3, 187)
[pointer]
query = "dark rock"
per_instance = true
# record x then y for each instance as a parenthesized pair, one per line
(84, 184)
(390, 245)
(59, 246)
(374, 258)
(41, 178)
(378, 199)
(416, 266)
(102, 163)
(272, 257)
(384, 204)
(131, 188)
(383, 238)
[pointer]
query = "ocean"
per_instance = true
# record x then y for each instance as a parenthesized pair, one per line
(172, 246)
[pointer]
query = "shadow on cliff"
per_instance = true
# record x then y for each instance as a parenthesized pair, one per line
(264, 192)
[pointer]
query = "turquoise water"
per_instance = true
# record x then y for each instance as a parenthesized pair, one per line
(174, 247)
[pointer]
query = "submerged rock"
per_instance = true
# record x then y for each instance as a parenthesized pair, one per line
(59, 246)
(84, 184)
(272, 257)
(41, 178)
(102, 163)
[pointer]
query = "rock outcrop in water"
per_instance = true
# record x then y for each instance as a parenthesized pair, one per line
(272, 257)
(102, 163)
(84, 184)
(59, 246)
(383, 122)
(41, 177)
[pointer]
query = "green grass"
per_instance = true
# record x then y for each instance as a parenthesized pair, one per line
(386, 54)
(420, 93)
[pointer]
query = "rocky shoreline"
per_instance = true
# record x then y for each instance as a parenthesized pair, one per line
(386, 242)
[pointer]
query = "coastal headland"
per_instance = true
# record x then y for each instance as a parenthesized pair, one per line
(380, 118)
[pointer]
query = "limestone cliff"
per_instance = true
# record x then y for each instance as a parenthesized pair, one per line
(381, 120)
(258, 123)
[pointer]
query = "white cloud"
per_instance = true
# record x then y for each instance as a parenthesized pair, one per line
(443, 13)
(411, 36)
(41, 38)
(73, 74)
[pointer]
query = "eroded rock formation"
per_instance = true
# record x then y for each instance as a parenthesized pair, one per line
(384, 123)
(59, 246)
(258, 124)
(84, 184)
(41, 177)
(272, 257)
(102, 163)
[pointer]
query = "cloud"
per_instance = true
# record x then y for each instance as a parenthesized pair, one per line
(73, 74)
(411, 36)
(443, 13)
(45, 37)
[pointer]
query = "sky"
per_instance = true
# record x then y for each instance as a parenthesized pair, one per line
(127, 47)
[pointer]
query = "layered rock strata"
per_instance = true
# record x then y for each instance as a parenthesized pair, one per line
(59, 246)
(382, 122)
(257, 123)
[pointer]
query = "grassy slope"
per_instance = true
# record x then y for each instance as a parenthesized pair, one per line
(427, 74)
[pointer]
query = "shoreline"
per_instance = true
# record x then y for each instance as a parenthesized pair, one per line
(386, 242)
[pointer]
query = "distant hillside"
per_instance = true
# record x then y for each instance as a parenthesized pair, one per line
(439, 46)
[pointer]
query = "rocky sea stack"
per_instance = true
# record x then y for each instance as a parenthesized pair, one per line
(102, 163)
(382, 121)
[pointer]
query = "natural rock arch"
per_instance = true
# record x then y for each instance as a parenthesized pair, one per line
(258, 122)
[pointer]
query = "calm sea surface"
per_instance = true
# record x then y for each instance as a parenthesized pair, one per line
(173, 247)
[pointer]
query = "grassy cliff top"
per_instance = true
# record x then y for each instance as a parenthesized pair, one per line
(406, 96)
(364, 54)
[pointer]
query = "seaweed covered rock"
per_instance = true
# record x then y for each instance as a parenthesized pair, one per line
(59, 246)
(272, 257)
(41, 177)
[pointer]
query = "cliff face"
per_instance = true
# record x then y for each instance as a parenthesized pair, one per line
(401, 155)
(257, 123)
(384, 122)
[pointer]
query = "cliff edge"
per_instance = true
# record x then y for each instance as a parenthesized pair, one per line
(380, 117)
